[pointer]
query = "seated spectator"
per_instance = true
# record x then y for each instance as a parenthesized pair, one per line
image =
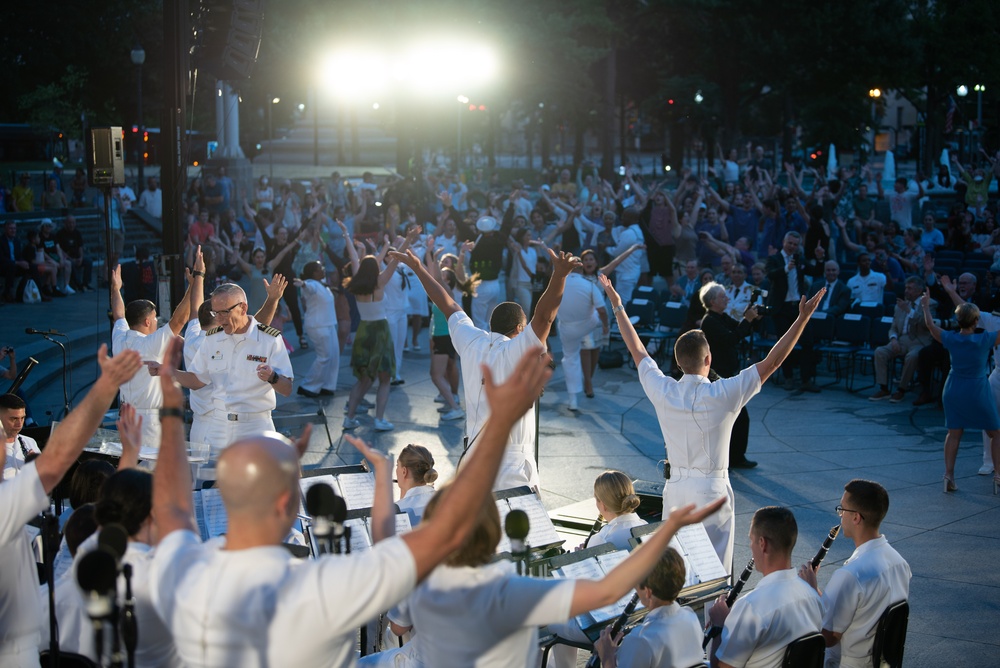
(907, 336)
(201, 230)
(70, 240)
(931, 237)
(53, 198)
(889, 266)
(911, 257)
(54, 255)
(866, 285)
(33, 254)
(79, 187)
(22, 195)
(838, 296)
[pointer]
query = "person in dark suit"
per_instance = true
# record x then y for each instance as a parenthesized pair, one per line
(838, 295)
(786, 272)
(724, 335)
(12, 265)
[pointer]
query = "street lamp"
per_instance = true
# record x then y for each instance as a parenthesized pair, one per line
(962, 90)
(138, 56)
(270, 138)
(698, 97)
(980, 89)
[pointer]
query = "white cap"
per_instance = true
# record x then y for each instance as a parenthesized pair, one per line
(487, 224)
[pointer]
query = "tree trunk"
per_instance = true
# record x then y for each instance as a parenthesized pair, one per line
(607, 137)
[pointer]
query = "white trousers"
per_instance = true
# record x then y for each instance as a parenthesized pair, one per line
(216, 430)
(571, 334)
(680, 491)
(323, 374)
(486, 299)
(150, 426)
(397, 330)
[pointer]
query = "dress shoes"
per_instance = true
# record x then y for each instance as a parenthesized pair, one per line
(743, 464)
(307, 393)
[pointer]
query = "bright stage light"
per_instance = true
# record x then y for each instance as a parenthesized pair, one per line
(354, 75)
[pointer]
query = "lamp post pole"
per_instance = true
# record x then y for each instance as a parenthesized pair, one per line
(138, 56)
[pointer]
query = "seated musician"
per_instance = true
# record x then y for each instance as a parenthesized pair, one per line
(781, 609)
(616, 501)
(669, 637)
(470, 612)
(874, 578)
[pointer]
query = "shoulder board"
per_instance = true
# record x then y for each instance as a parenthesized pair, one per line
(268, 330)
(214, 330)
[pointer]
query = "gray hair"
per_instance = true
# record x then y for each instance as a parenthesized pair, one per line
(709, 293)
(227, 289)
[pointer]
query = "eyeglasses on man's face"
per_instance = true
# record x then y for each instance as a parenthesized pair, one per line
(226, 311)
(841, 510)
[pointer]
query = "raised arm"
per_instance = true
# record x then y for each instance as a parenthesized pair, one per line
(392, 262)
(383, 518)
(548, 303)
(443, 533)
(68, 441)
(610, 266)
(784, 346)
(117, 303)
(275, 289)
(925, 302)
(435, 291)
(591, 594)
(173, 502)
(196, 284)
(629, 336)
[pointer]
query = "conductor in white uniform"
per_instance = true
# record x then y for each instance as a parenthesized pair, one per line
(245, 362)
(501, 348)
(696, 416)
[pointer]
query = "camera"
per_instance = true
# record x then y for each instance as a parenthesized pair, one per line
(757, 297)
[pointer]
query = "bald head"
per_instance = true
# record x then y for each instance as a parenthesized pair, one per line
(258, 480)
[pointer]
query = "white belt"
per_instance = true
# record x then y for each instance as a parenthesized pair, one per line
(239, 417)
(681, 472)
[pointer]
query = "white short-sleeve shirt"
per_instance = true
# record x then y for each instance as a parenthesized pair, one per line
(194, 336)
(874, 578)
(502, 354)
(262, 607)
(228, 362)
(581, 299)
(618, 531)
(319, 302)
(781, 609)
(415, 501)
(485, 617)
(696, 416)
(20, 615)
(15, 455)
(669, 637)
(867, 288)
(143, 391)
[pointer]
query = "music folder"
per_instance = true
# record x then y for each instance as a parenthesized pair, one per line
(705, 571)
(541, 533)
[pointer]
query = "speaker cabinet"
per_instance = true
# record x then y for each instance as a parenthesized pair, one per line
(106, 157)
(229, 37)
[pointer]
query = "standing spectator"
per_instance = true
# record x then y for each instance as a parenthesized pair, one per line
(214, 195)
(128, 197)
(660, 228)
(151, 199)
(977, 186)
(786, 273)
(228, 188)
(79, 187)
(53, 198)
(321, 328)
(902, 200)
(264, 195)
(116, 243)
(22, 194)
(628, 234)
(70, 240)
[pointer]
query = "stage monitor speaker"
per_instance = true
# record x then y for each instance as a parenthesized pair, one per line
(229, 37)
(106, 157)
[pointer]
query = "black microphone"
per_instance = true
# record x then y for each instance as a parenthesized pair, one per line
(114, 539)
(96, 575)
(339, 516)
(43, 332)
(321, 506)
(130, 625)
(821, 554)
(517, 527)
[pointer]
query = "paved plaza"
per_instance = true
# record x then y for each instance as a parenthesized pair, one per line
(807, 446)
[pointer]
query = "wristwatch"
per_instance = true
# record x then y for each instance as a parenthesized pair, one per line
(172, 412)
(615, 310)
(274, 378)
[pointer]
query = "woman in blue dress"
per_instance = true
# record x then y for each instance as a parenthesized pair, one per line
(968, 400)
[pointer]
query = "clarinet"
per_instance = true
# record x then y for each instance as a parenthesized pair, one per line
(616, 627)
(598, 523)
(821, 555)
(713, 631)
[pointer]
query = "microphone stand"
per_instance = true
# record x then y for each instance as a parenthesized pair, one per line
(116, 639)
(65, 411)
(50, 543)
(129, 628)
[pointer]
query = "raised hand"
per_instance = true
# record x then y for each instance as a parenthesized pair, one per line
(374, 457)
(116, 278)
(610, 291)
(118, 369)
(276, 287)
(407, 258)
(173, 397)
(690, 514)
(512, 399)
(563, 263)
(199, 260)
(807, 308)
(129, 425)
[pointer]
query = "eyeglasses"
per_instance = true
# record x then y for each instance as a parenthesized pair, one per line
(226, 311)
(841, 510)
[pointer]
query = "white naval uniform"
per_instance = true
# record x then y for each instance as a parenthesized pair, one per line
(867, 288)
(415, 501)
(618, 531)
(780, 609)
(739, 300)
(669, 637)
(200, 400)
(628, 270)
(577, 318)
(20, 630)
(872, 579)
(321, 328)
(15, 455)
(143, 392)
(241, 401)
(484, 617)
(696, 418)
(502, 355)
(486, 299)
(262, 607)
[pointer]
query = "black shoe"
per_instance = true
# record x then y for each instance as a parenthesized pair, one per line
(742, 464)
(589, 395)
(327, 393)
(307, 393)
(810, 387)
(398, 381)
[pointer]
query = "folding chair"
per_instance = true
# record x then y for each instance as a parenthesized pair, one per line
(949, 256)
(671, 319)
(879, 337)
(805, 652)
(890, 635)
(850, 334)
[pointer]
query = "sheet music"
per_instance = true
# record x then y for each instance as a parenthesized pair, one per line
(585, 569)
(403, 524)
(210, 513)
(608, 562)
(358, 489)
(541, 531)
(306, 483)
(700, 558)
(361, 541)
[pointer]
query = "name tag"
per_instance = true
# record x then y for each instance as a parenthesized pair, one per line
(217, 355)
(257, 358)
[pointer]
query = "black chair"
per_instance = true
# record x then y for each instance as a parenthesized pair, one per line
(67, 660)
(949, 256)
(879, 337)
(850, 335)
(806, 652)
(646, 292)
(890, 635)
(873, 310)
